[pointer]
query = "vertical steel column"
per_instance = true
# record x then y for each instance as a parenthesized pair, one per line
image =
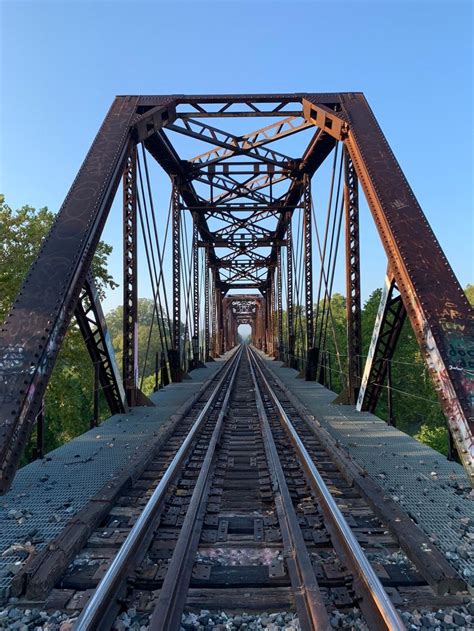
(308, 280)
(207, 350)
(289, 297)
(391, 416)
(274, 318)
(215, 319)
(225, 327)
(353, 306)
(220, 319)
(271, 311)
(157, 372)
(195, 339)
(175, 352)
(279, 306)
(95, 413)
(265, 321)
(164, 370)
(40, 433)
(130, 278)
(268, 320)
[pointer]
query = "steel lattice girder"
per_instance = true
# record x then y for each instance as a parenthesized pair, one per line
(353, 303)
(91, 321)
(387, 328)
(308, 262)
(130, 278)
(436, 305)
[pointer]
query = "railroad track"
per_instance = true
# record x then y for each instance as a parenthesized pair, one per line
(242, 509)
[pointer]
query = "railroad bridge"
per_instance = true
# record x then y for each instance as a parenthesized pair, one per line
(265, 196)
(251, 310)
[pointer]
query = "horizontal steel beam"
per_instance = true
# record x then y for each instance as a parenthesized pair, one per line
(237, 243)
(327, 98)
(250, 141)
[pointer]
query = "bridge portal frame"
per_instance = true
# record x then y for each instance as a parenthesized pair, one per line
(435, 303)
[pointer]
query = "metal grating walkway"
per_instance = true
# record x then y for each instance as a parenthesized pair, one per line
(47, 493)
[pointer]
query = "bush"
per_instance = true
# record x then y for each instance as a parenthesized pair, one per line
(434, 437)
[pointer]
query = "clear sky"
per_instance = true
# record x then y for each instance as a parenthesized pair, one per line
(63, 62)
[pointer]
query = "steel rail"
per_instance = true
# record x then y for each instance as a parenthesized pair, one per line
(382, 606)
(312, 612)
(172, 597)
(95, 613)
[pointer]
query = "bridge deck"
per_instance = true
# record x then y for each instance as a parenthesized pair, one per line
(432, 490)
(48, 493)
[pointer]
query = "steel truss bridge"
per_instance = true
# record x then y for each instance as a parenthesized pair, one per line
(243, 262)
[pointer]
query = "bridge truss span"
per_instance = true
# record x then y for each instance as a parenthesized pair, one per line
(232, 168)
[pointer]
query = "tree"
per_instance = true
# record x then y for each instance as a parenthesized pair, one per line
(69, 395)
(470, 294)
(155, 343)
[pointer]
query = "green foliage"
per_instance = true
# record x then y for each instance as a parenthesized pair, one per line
(470, 293)
(69, 396)
(155, 343)
(23, 231)
(436, 437)
(148, 386)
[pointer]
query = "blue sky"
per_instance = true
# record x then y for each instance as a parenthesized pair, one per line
(63, 62)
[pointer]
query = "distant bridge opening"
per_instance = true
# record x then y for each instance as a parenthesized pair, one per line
(245, 332)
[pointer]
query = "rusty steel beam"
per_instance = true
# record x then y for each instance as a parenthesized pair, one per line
(289, 296)
(37, 323)
(250, 141)
(91, 321)
(387, 328)
(220, 319)
(175, 351)
(438, 309)
(213, 311)
(229, 142)
(196, 362)
(207, 350)
(242, 167)
(279, 306)
(238, 207)
(195, 253)
(308, 278)
(200, 101)
(353, 303)
(130, 279)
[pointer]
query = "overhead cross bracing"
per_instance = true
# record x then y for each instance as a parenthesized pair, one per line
(241, 183)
